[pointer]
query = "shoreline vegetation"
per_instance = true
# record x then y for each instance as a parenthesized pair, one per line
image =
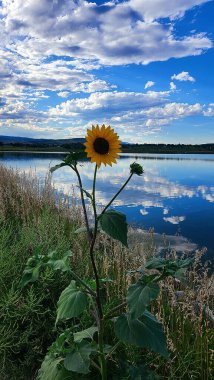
(35, 218)
(126, 148)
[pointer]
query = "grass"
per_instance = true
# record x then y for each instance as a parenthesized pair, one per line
(29, 219)
(33, 218)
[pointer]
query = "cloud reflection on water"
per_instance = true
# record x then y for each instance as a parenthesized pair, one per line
(166, 197)
(167, 242)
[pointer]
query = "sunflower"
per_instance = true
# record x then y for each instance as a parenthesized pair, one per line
(102, 145)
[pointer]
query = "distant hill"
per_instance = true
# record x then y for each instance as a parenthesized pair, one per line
(28, 140)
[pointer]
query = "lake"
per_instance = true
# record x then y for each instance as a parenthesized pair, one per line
(175, 195)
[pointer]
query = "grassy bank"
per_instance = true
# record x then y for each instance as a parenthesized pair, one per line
(33, 219)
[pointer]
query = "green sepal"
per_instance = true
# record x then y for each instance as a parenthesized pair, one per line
(136, 168)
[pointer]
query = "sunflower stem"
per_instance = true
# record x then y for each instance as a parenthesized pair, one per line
(93, 192)
(116, 195)
(88, 288)
(83, 204)
(91, 249)
(112, 312)
(103, 368)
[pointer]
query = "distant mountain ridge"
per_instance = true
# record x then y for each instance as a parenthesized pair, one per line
(29, 140)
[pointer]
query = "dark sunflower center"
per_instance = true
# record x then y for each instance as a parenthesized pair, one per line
(101, 145)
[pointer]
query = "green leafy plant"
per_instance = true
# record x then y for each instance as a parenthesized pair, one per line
(78, 351)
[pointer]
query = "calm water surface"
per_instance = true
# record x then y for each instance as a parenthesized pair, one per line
(175, 195)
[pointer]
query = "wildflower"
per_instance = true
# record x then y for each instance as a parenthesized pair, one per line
(102, 145)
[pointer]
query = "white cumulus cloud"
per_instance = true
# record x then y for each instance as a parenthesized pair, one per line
(63, 94)
(85, 30)
(54, 47)
(172, 86)
(184, 76)
(155, 9)
(149, 84)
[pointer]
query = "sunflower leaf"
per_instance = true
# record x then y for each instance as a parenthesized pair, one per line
(78, 360)
(85, 334)
(140, 295)
(85, 192)
(141, 372)
(72, 302)
(73, 157)
(62, 264)
(81, 229)
(56, 167)
(115, 225)
(145, 332)
(52, 368)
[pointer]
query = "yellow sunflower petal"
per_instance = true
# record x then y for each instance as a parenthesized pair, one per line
(103, 130)
(90, 133)
(114, 151)
(90, 138)
(111, 160)
(115, 155)
(107, 133)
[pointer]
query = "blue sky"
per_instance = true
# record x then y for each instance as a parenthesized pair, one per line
(142, 66)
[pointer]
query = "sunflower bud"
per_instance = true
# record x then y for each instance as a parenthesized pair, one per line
(136, 168)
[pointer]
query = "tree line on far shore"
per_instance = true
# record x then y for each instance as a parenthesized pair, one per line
(126, 148)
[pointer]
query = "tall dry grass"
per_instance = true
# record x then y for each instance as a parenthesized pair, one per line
(32, 218)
